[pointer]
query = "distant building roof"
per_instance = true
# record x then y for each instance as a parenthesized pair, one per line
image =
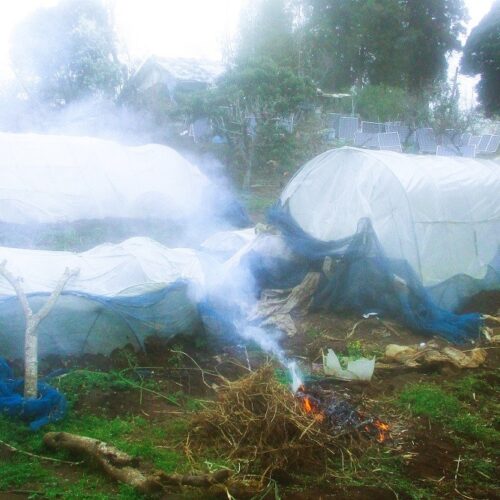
(174, 71)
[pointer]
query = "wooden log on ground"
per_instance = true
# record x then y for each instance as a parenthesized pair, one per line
(124, 468)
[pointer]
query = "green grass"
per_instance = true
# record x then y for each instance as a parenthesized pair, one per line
(473, 388)
(19, 472)
(257, 202)
(159, 444)
(379, 468)
(135, 435)
(79, 383)
(444, 407)
(465, 409)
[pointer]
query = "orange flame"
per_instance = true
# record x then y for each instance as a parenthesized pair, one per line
(307, 405)
(382, 430)
(310, 407)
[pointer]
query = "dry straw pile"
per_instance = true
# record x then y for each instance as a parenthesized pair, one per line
(259, 421)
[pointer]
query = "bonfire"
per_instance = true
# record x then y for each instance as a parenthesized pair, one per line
(261, 422)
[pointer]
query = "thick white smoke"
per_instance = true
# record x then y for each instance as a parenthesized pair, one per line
(231, 291)
(66, 137)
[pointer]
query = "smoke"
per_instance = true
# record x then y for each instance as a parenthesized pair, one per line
(229, 289)
(270, 345)
(186, 206)
(95, 116)
(231, 295)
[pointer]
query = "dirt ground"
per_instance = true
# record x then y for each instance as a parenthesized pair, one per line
(422, 459)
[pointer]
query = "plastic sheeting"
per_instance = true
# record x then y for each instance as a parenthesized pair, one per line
(122, 294)
(53, 179)
(441, 215)
(228, 242)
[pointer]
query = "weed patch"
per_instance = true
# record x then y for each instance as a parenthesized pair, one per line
(445, 408)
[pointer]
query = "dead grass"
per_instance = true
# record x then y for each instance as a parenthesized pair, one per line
(258, 420)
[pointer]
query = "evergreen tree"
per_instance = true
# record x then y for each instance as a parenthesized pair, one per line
(482, 57)
(383, 42)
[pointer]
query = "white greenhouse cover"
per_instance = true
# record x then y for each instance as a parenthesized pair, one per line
(123, 295)
(229, 241)
(51, 178)
(441, 214)
(133, 267)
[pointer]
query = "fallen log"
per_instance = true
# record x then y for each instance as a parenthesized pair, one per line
(124, 468)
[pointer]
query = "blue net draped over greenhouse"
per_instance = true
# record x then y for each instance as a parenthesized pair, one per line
(122, 294)
(362, 279)
(88, 324)
(409, 236)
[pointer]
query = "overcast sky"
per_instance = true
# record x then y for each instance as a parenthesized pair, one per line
(187, 28)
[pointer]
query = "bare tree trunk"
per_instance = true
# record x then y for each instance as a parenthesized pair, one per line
(32, 323)
(30, 359)
(247, 179)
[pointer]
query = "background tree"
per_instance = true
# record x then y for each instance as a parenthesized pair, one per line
(432, 31)
(383, 42)
(266, 31)
(67, 52)
(342, 44)
(251, 108)
(482, 57)
(380, 103)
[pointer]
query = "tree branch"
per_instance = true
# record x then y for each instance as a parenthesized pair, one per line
(47, 307)
(16, 285)
(32, 322)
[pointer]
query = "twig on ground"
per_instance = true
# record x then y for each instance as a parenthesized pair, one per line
(353, 329)
(34, 455)
(202, 371)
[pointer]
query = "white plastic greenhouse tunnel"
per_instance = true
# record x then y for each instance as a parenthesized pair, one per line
(122, 295)
(440, 214)
(49, 181)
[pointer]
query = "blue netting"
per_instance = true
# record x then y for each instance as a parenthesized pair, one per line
(232, 211)
(364, 280)
(50, 406)
(82, 323)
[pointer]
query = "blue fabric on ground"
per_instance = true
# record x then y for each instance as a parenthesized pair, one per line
(50, 406)
(364, 280)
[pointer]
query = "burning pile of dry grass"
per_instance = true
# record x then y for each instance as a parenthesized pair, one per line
(259, 420)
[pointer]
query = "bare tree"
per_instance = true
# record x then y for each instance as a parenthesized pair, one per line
(33, 320)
